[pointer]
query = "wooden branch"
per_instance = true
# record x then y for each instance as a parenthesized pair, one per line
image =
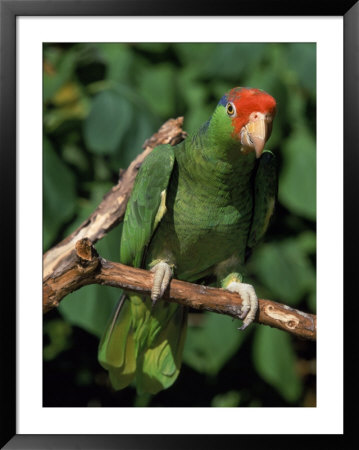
(74, 262)
(111, 210)
(89, 268)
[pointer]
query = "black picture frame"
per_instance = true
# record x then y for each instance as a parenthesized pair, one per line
(9, 10)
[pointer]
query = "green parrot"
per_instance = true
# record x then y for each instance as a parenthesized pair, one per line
(194, 212)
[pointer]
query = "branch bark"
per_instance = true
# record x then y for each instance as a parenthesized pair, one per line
(74, 262)
(90, 268)
(111, 210)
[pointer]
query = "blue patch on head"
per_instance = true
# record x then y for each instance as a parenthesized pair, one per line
(224, 100)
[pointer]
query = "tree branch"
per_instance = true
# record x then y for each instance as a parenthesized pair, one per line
(90, 268)
(74, 262)
(111, 210)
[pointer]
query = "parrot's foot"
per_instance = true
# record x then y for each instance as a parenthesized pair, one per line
(162, 277)
(250, 302)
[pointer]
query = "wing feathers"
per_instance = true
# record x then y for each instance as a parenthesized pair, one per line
(265, 194)
(143, 207)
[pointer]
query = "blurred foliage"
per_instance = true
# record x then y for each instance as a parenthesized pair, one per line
(210, 345)
(101, 101)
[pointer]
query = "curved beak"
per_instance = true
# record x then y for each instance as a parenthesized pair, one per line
(257, 132)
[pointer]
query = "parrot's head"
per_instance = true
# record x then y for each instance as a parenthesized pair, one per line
(250, 113)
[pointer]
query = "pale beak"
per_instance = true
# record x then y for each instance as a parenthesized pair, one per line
(257, 132)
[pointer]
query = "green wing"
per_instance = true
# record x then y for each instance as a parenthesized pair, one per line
(140, 341)
(265, 195)
(146, 205)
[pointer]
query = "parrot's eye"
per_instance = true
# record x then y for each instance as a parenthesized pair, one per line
(231, 109)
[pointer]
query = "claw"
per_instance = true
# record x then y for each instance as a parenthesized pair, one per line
(162, 277)
(244, 311)
(250, 302)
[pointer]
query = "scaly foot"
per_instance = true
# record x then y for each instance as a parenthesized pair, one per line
(250, 301)
(162, 277)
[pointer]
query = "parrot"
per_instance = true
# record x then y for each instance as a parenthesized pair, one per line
(195, 211)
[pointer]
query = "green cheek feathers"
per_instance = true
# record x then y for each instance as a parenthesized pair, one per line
(221, 127)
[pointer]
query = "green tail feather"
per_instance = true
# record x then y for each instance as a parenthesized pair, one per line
(117, 347)
(161, 363)
(145, 344)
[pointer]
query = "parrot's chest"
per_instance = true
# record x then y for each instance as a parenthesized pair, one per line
(216, 223)
(203, 227)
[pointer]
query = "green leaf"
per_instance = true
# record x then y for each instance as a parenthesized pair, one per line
(194, 56)
(62, 72)
(85, 207)
(74, 154)
(58, 193)
(275, 359)
(295, 108)
(209, 346)
(109, 246)
(69, 115)
(307, 240)
(90, 307)
(285, 269)
(109, 120)
(297, 187)
(119, 59)
(90, 66)
(302, 62)
(227, 400)
(153, 47)
(192, 92)
(226, 61)
(231, 61)
(196, 117)
(157, 86)
(59, 333)
(132, 144)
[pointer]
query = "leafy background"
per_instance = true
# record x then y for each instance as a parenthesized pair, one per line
(101, 101)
